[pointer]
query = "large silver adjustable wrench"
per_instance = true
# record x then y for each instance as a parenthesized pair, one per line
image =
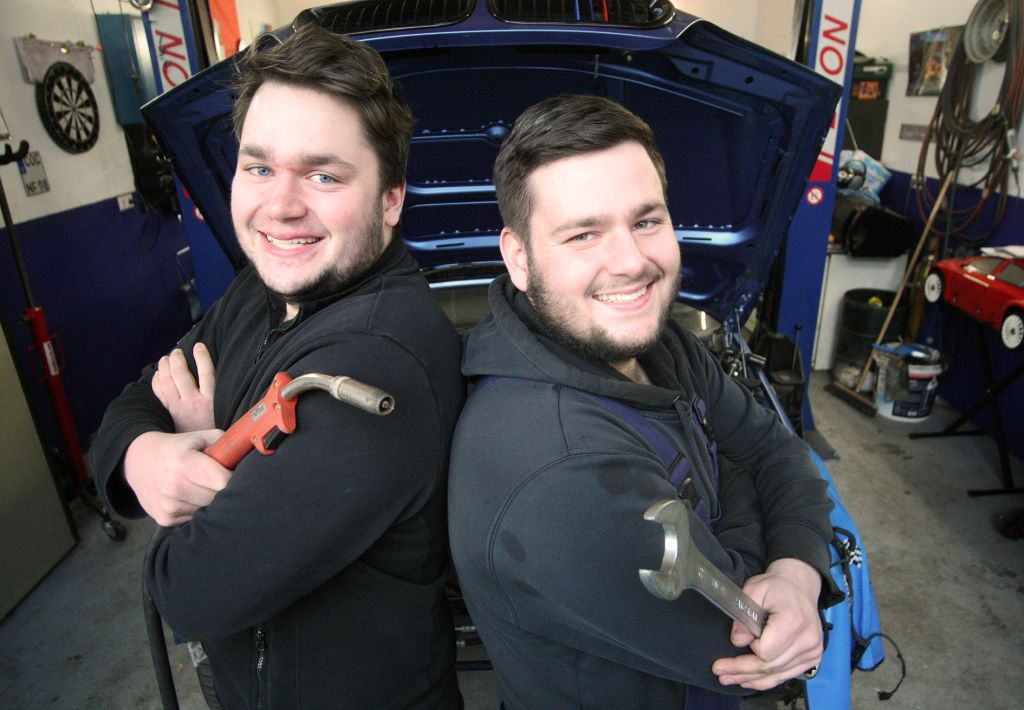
(685, 567)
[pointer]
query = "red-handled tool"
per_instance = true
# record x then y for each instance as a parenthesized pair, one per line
(273, 417)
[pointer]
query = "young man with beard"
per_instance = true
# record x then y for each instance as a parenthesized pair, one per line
(314, 577)
(551, 473)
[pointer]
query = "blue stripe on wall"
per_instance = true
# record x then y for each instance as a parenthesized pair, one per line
(109, 284)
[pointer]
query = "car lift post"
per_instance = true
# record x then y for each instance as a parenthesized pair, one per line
(36, 320)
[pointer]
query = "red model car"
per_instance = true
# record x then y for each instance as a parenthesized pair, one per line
(988, 288)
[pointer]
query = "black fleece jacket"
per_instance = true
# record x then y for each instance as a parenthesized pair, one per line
(328, 558)
(547, 493)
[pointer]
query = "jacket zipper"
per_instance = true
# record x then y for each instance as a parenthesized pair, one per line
(261, 648)
(266, 342)
(273, 333)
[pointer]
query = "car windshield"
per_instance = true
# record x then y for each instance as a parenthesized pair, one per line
(985, 265)
(1013, 274)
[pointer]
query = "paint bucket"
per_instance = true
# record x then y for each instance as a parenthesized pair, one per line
(908, 378)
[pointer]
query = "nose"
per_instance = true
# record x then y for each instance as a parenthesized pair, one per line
(626, 255)
(284, 200)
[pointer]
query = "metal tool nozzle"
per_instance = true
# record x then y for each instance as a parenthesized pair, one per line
(345, 389)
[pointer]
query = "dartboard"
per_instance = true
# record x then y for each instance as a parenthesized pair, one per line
(68, 108)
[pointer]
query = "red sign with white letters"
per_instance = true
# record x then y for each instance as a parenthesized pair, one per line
(168, 41)
(835, 50)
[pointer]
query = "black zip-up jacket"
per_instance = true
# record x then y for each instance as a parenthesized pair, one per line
(547, 494)
(315, 578)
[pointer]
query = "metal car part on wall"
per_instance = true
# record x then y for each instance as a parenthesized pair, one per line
(68, 108)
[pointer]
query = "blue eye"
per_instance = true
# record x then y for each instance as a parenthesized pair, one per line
(324, 179)
(260, 170)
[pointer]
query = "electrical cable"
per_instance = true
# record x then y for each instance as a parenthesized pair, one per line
(964, 143)
(845, 544)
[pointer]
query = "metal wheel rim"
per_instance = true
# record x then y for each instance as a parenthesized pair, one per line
(1012, 331)
(933, 288)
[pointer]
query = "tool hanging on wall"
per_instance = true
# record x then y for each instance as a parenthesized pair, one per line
(50, 356)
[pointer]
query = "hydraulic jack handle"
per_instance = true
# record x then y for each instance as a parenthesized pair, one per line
(273, 418)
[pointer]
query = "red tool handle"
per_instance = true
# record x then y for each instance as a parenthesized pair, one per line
(271, 417)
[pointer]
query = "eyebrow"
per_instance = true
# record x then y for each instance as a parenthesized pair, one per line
(595, 220)
(307, 160)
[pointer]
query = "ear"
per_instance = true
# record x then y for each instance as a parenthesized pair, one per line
(513, 251)
(392, 200)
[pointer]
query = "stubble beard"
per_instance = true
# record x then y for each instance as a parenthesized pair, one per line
(595, 345)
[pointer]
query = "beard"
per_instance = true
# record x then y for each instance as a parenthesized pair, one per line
(367, 248)
(594, 344)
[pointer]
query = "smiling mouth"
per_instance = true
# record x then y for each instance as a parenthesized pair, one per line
(290, 243)
(622, 297)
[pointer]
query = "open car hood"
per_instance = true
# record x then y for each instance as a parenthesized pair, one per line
(739, 126)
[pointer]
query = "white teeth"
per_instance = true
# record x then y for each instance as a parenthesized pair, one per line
(621, 297)
(290, 243)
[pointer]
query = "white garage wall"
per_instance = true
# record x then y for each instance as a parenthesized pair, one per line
(288, 9)
(252, 14)
(768, 23)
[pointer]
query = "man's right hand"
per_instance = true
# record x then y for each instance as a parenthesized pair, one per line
(171, 476)
(792, 641)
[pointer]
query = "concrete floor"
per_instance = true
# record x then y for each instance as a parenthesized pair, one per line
(950, 588)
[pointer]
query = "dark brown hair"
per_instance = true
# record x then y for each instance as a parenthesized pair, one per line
(562, 127)
(339, 66)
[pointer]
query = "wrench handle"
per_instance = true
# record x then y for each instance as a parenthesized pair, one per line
(727, 596)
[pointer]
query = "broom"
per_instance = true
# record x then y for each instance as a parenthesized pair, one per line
(852, 396)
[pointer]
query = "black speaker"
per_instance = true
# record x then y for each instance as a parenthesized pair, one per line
(865, 229)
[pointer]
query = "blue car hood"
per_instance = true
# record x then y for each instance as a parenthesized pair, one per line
(739, 126)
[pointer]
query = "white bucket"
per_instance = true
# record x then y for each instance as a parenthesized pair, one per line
(923, 370)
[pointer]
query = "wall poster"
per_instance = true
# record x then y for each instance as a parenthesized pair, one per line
(930, 54)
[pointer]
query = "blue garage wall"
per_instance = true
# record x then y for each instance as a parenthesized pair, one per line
(109, 284)
(956, 334)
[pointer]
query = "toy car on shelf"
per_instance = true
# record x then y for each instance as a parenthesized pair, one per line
(988, 288)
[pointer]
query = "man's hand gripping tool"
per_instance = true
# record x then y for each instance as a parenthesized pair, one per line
(685, 567)
(273, 417)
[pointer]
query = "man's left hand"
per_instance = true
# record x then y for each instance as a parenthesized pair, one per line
(189, 403)
(791, 643)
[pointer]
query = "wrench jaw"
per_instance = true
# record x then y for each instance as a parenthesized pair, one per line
(668, 582)
(683, 566)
